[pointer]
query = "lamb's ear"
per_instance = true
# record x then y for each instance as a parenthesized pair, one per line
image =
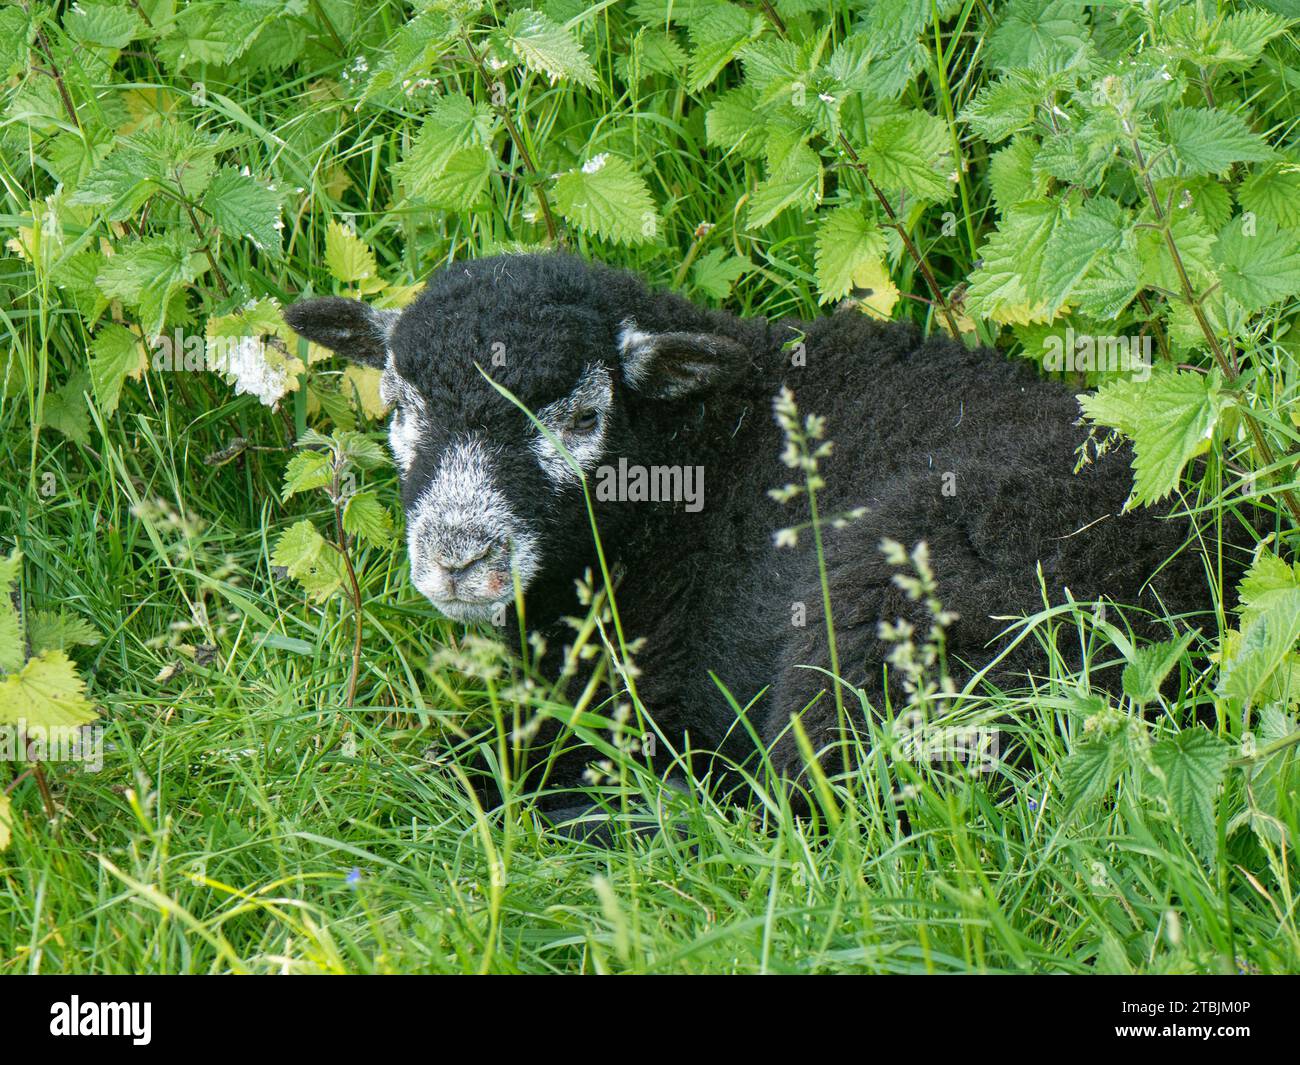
(673, 365)
(349, 327)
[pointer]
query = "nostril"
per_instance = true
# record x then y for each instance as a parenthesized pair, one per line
(458, 561)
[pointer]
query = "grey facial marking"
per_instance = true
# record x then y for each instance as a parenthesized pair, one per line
(595, 392)
(463, 537)
(410, 416)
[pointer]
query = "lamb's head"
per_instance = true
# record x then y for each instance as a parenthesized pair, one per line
(594, 357)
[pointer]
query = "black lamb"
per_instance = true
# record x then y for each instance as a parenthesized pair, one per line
(963, 449)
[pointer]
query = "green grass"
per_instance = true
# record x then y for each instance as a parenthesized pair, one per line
(239, 792)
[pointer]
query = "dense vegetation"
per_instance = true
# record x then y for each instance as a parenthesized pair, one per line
(201, 531)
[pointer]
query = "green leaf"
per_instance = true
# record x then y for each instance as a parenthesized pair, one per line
(847, 243)
(547, 48)
(1259, 264)
(347, 257)
(1266, 645)
(360, 449)
(1208, 141)
(1090, 770)
(1192, 765)
(715, 273)
(1005, 286)
(734, 123)
(794, 180)
(454, 125)
(718, 33)
(1033, 29)
(1099, 226)
(607, 198)
(66, 410)
(366, 517)
(13, 650)
(462, 181)
(147, 273)
(116, 354)
(912, 151)
(16, 33)
(104, 25)
(1149, 667)
(1170, 417)
(305, 471)
(46, 693)
(242, 206)
(1272, 194)
(51, 630)
(303, 552)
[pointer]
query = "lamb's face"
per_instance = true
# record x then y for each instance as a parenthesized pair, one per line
(492, 484)
(488, 489)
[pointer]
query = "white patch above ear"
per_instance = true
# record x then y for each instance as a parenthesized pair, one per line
(637, 349)
(594, 392)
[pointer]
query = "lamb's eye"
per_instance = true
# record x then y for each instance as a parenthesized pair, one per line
(584, 421)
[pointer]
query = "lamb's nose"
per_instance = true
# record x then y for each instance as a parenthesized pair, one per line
(455, 563)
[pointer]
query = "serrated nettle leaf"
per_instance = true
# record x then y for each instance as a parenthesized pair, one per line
(1272, 194)
(242, 206)
(1090, 770)
(49, 630)
(608, 199)
(12, 643)
(1233, 42)
(1267, 643)
(1099, 226)
(1195, 243)
(735, 123)
(66, 411)
(462, 181)
(1007, 106)
(1006, 286)
(116, 354)
(1150, 665)
(1258, 263)
(307, 470)
(16, 33)
(365, 517)
(102, 25)
(347, 257)
(717, 35)
(1011, 176)
(1192, 765)
(304, 554)
(360, 449)
(455, 123)
(1170, 417)
(715, 272)
(912, 152)
(547, 48)
(847, 244)
(1032, 30)
(794, 180)
(47, 692)
(1268, 581)
(1206, 140)
(147, 273)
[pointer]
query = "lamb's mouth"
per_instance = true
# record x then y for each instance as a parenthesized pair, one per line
(475, 609)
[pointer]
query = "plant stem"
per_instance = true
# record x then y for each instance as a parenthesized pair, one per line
(552, 228)
(342, 546)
